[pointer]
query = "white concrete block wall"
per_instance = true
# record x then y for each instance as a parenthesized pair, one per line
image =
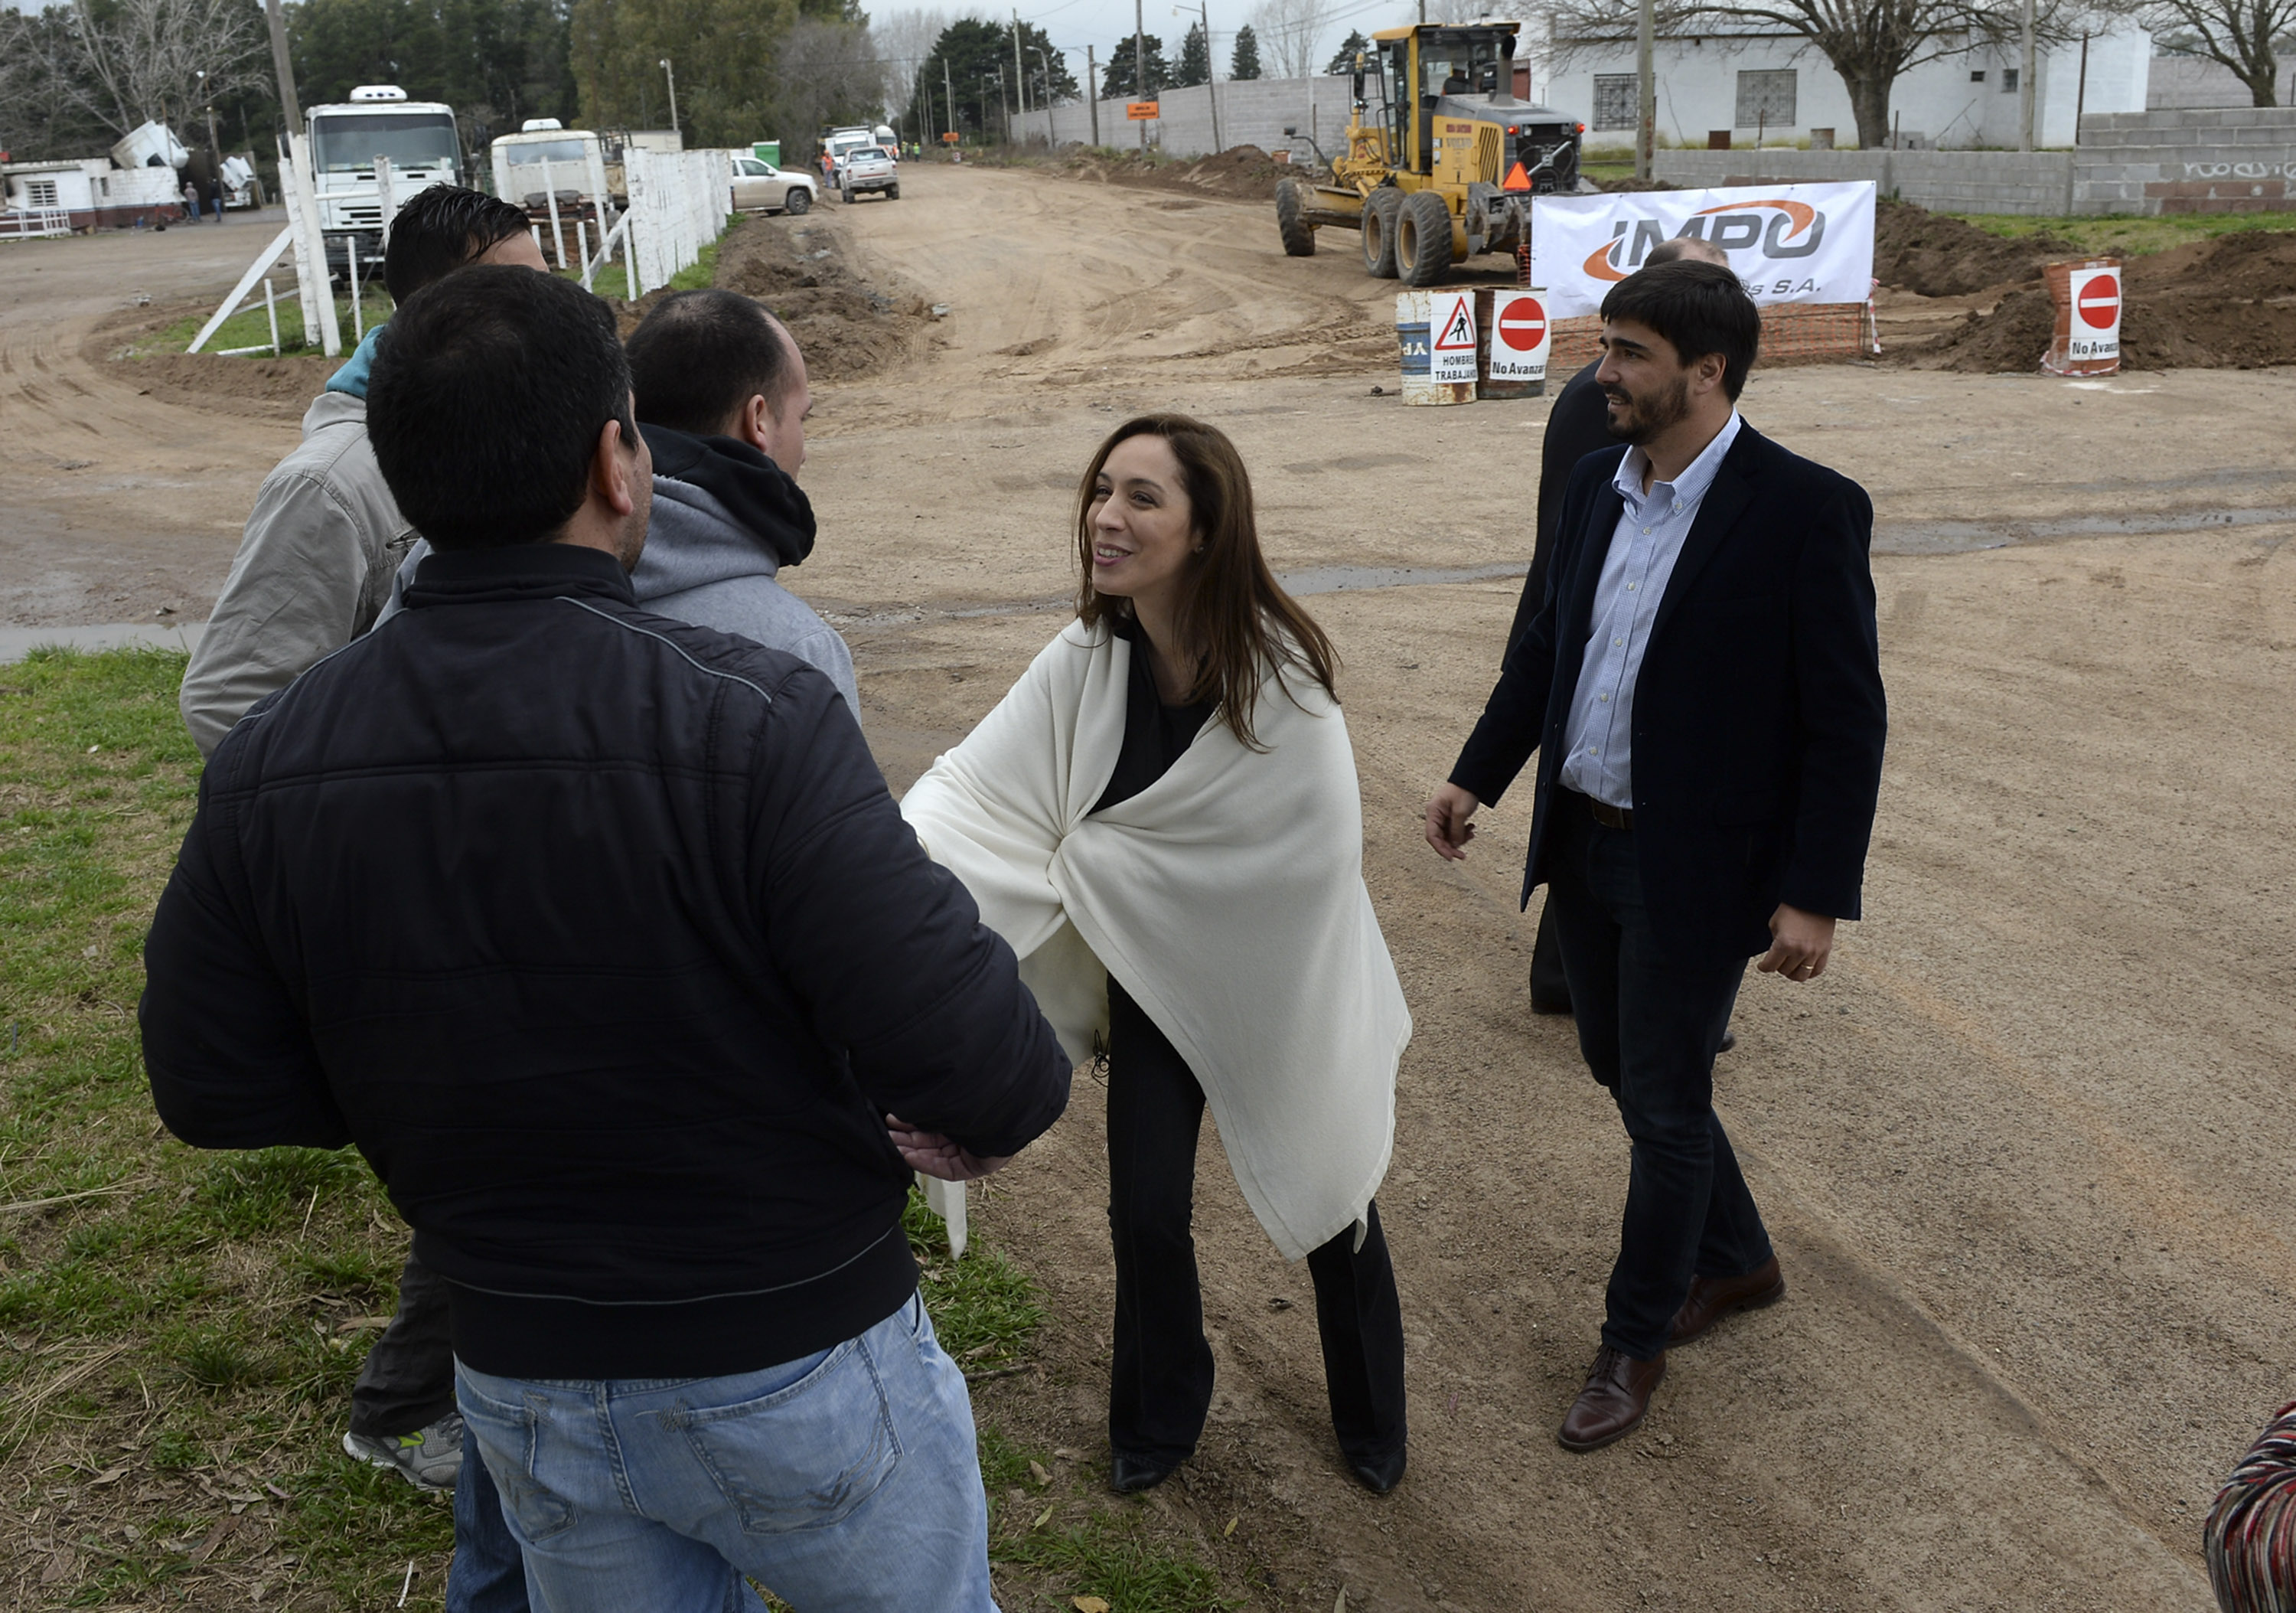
(1252, 112)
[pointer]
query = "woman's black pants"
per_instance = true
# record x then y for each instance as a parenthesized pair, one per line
(1161, 1388)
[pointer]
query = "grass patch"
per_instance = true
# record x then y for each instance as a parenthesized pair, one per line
(612, 279)
(251, 326)
(2130, 237)
(179, 1331)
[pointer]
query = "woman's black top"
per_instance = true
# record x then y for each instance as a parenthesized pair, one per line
(1155, 734)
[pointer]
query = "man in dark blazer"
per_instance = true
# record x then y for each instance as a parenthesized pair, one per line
(1578, 425)
(1703, 685)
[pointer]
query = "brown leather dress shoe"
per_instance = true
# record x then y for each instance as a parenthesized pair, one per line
(1711, 1298)
(1611, 1405)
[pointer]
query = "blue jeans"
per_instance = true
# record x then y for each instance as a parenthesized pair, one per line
(842, 1480)
(1649, 1026)
(487, 1574)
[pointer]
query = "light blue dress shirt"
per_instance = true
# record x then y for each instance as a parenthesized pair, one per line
(1599, 732)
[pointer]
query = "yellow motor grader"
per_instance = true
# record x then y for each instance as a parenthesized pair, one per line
(1441, 160)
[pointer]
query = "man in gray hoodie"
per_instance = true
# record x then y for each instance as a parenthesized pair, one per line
(722, 400)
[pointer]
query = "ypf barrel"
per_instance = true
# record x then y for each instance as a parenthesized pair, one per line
(1435, 332)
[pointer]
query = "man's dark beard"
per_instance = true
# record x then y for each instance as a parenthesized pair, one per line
(1647, 417)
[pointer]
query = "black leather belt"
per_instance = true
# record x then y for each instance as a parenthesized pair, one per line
(1602, 812)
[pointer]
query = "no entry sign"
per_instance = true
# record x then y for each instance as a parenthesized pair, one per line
(2086, 338)
(1521, 331)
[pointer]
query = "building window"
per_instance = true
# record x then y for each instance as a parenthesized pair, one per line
(40, 193)
(2008, 80)
(1616, 98)
(1977, 75)
(1766, 98)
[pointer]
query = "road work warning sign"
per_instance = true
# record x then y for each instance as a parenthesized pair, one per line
(1451, 337)
(2084, 338)
(1141, 112)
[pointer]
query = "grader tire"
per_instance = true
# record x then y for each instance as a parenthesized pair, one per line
(1422, 239)
(1297, 235)
(1379, 218)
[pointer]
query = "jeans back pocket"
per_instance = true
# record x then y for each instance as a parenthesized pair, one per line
(804, 1457)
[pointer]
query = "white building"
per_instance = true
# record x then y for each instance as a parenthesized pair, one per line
(92, 192)
(1782, 87)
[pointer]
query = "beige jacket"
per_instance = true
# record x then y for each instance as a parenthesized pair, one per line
(314, 568)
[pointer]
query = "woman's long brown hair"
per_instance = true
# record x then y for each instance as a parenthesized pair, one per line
(1231, 606)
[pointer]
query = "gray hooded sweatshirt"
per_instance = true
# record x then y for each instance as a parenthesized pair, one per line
(726, 520)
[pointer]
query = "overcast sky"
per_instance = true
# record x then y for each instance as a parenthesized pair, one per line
(1074, 24)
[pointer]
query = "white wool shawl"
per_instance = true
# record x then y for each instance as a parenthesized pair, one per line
(1228, 897)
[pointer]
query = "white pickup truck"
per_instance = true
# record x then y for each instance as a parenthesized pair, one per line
(872, 168)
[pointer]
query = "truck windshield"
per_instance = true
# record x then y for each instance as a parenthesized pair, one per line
(344, 143)
(544, 151)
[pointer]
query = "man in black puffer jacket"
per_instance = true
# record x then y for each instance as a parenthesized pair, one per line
(601, 937)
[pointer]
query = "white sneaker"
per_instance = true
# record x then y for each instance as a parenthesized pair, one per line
(429, 1458)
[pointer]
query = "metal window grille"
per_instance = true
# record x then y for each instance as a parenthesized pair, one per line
(1766, 98)
(40, 193)
(1616, 98)
(2008, 80)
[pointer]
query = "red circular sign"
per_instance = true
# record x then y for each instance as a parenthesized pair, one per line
(2098, 301)
(1522, 323)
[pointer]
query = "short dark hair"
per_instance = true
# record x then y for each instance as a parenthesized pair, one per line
(440, 229)
(700, 356)
(1700, 308)
(485, 404)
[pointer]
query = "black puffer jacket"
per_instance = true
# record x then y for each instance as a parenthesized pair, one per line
(600, 936)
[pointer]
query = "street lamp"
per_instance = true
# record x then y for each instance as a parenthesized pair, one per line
(1211, 66)
(672, 75)
(1045, 63)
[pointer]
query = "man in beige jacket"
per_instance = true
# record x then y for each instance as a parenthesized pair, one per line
(316, 562)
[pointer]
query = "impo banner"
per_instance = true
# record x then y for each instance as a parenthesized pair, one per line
(1788, 243)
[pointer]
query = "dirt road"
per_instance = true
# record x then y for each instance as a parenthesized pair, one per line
(2024, 1151)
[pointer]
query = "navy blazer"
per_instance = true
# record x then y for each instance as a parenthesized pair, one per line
(1758, 716)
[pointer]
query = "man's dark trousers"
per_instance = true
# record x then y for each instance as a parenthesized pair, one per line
(1649, 1026)
(408, 1381)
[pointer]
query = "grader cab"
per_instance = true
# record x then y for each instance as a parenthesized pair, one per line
(1441, 160)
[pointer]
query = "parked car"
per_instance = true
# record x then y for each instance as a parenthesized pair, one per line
(869, 168)
(757, 184)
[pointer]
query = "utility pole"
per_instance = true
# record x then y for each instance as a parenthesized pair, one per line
(672, 73)
(1018, 72)
(948, 100)
(1091, 92)
(1211, 65)
(1139, 63)
(2025, 85)
(280, 64)
(1646, 86)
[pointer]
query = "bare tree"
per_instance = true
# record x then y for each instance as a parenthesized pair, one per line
(2243, 35)
(903, 39)
(1869, 43)
(142, 60)
(827, 72)
(1289, 30)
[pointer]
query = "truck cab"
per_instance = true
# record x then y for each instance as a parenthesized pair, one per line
(417, 137)
(544, 160)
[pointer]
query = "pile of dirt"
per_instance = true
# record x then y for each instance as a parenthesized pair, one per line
(846, 327)
(1241, 173)
(1932, 255)
(2225, 304)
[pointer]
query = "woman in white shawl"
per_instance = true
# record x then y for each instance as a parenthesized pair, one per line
(1163, 819)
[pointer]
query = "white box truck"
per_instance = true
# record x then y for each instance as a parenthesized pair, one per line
(417, 137)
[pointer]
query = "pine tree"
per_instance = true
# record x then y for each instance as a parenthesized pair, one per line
(1118, 84)
(1345, 61)
(1245, 62)
(1195, 59)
